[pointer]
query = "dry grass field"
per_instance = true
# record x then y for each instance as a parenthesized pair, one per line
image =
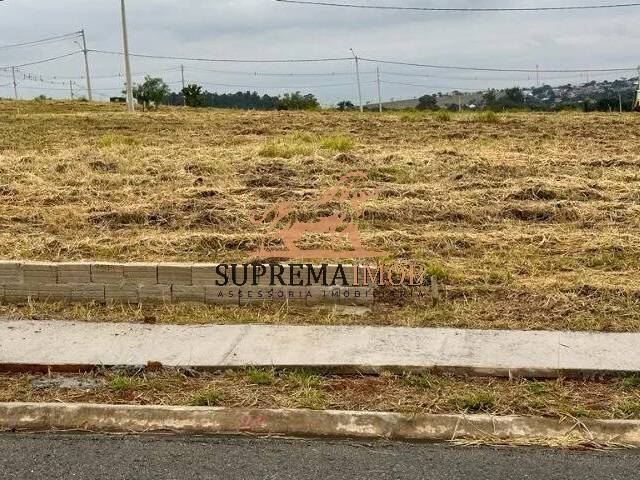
(530, 220)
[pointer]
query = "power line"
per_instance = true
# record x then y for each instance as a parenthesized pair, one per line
(316, 74)
(374, 60)
(476, 78)
(486, 69)
(434, 86)
(225, 60)
(42, 41)
(116, 75)
(272, 74)
(350, 84)
(462, 9)
(81, 88)
(37, 62)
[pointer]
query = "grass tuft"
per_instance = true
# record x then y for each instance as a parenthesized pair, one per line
(475, 402)
(305, 378)
(258, 376)
(486, 117)
(630, 382)
(442, 115)
(628, 408)
(423, 380)
(110, 140)
(338, 144)
(121, 383)
(310, 398)
(282, 149)
(207, 397)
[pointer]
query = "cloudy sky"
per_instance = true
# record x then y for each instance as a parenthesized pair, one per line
(265, 29)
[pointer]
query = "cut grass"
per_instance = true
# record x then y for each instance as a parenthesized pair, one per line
(529, 223)
(428, 393)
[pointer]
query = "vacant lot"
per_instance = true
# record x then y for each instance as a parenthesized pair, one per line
(529, 220)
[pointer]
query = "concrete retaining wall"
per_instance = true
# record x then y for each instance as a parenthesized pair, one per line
(158, 283)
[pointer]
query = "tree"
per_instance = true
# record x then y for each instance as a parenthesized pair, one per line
(153, 90)
(297, 101)
(514, 95)
(427, 102)
(193, 95)
(510, 98)
(489, 97)
(345, 105)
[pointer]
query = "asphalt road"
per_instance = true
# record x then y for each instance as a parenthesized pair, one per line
(95, 457)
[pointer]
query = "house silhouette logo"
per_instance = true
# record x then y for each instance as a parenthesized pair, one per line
(346, 202)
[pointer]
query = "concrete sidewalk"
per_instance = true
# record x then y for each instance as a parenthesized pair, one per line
(70, 345)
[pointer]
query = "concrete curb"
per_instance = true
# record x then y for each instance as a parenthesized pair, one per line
(310, 423)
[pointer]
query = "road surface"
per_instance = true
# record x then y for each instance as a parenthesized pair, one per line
(96, 457)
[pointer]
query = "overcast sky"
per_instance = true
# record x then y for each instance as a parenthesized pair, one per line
(265, 29)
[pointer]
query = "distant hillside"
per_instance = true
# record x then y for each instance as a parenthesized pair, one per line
(593, 95)
(443, 100)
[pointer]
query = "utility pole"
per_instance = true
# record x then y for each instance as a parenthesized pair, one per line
(15, 85)
(620, 101)
(538, 75)
(636, 106)
(71, 87)
(379, 90)
(184, 99)
(459, 103)
(358, 77)
(86, 65)
(127, 62)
